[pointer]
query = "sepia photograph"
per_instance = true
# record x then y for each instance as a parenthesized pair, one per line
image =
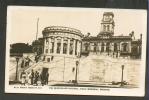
(75, 51)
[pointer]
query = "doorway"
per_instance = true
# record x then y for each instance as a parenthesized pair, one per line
(44, 76)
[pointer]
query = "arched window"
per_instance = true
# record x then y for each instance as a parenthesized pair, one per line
(124, 47)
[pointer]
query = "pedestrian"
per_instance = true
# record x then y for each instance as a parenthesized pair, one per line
(36, 77)
(23, 77)
(28, 79)
(27, 61)
(47, 78)
(32, 75)
(42, 79)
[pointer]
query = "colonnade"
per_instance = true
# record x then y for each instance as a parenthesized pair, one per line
(62, 45)
(114, 47)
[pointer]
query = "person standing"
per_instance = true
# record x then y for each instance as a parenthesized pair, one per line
(47, 78)
(23, 77)
(32, 77)
(42, 79)
(28, 79)
(27, 61)
(36, 77)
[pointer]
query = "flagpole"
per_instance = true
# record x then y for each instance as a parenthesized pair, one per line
(37, 29)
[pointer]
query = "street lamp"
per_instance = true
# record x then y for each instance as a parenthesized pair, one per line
(77, 63)
(122, 75)
(17, 60)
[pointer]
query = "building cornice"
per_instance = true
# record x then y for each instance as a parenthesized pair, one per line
(52, 29)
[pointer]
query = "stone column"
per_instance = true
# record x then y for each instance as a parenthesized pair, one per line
(78, 48)
(99, 47)
(129, 47)
(120, 46)
(68, 47)
(44, 45)
(49, 45)
(109, 47)
(62, 42)
(104, 47)
(117, 46)
(74, 46)
(112, 47)
(55, 45)
(138, 48)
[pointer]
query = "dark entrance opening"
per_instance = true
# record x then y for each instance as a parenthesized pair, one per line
(102, 47)
(44, 76)
(95, 49)
(115, 47)
(44, 71)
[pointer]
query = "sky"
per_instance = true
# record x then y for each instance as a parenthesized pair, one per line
(22, 21)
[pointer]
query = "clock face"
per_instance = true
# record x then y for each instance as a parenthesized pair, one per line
(106, 18)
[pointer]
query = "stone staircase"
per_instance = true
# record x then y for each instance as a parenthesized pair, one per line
(93, 68)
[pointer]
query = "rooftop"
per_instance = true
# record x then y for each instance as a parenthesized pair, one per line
(108, 13)
(62, 29)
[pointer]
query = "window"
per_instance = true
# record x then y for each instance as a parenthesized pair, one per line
(102, 47)
(107, 47)
(58, 45)
(47, 41)
(71, 47)
(65, 46)
(104, 28)
(46, 50)
(124, 45)
(76, 48)
(86, 48)
(108, 28)
(48, 59)
(115, 47)
(52, 50)
(52, 45)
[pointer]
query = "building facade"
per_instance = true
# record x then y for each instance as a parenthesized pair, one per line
(70, 42)
(106, 42)
(61, 41)
(64, 43)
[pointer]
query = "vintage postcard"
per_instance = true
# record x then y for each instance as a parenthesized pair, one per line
(76, 51)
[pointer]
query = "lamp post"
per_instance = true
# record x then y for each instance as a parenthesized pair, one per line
(122, 75)
(77, 63)
(17, 60)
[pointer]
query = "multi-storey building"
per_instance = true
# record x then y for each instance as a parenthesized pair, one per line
(58, 40)
(106, 42)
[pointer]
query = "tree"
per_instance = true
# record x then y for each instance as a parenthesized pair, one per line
(20, 48)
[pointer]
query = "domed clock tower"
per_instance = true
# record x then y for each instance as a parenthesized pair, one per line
(107, 25)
